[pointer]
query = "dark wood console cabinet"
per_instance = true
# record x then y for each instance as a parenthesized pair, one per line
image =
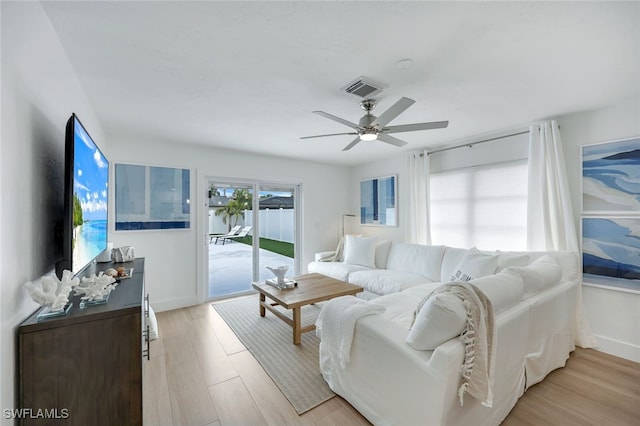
(88, 362)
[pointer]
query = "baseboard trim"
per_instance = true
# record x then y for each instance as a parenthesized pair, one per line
(621, 349)
(171, 304)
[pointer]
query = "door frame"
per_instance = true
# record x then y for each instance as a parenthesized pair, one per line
(203, 226)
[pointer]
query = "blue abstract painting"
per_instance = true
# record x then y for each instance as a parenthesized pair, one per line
(611, 177)
(611, 251)
(378, 201)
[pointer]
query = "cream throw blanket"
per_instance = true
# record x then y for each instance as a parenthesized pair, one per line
(478, 337)
(336, 256)
(337, 321)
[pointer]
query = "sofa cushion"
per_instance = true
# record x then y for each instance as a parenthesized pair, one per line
(441, 318)
(385, 281)
(541, 273)
(417, 259)
(474, 265)
(504, 290)
(506, 260)
(450, 259)
(360, 251)
(421, 291)
(382, 253)
(398, 308)
(567, 261)
(337, 270)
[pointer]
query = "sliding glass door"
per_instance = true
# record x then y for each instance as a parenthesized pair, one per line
(251, 226)
(277, 219)
(229, 239)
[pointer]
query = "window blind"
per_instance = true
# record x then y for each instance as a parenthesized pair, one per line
(483, 206)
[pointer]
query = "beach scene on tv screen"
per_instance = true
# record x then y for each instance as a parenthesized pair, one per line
(90, 189)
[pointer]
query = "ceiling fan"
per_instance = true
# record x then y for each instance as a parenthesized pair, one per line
(372, 128)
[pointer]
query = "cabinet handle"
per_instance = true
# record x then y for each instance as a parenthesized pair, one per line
(148, 345)
(147, 352)
(146, 305)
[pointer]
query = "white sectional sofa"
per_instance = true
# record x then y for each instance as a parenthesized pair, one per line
(535, 297)
(398, 266)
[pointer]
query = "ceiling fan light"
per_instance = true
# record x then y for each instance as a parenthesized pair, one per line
(368, 136)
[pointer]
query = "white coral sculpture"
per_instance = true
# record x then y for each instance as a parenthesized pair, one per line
(95, 287)
(53, 293)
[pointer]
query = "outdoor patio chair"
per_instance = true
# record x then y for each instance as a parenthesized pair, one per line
(242, 233)
(232, 232)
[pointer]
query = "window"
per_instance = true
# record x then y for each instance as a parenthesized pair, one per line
(483, 206)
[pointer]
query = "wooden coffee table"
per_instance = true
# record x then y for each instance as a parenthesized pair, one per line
(311, 288)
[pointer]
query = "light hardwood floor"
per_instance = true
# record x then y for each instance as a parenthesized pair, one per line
(201, 374)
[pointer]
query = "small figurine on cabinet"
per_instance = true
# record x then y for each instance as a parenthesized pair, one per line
(95, 288)
(53, 293)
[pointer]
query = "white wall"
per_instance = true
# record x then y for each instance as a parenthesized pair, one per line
(614, 315)
(39, 92)
(174, 259)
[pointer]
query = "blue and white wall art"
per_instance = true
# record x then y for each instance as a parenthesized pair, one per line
(611, 177)
(611, 213)
(611, 251)
(152, 198)
(378, 201)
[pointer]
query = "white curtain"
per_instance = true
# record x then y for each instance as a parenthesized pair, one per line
(418, 229)
(550, 224)
(550, 220)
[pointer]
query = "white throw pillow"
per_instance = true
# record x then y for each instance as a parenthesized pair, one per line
(153, 325)
(542, 273)
(504, 290)
(474, 265)
(441, 318)
(382, 253)
(360, 251)
(506, 260)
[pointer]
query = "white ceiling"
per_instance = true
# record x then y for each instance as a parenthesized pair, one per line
(246, 75)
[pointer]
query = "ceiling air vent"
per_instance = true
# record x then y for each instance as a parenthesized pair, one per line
(364, 87)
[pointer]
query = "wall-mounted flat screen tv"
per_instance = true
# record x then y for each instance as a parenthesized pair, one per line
(86, 199)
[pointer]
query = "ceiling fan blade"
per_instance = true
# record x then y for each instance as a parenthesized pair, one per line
(352, 144)
(338, 119)
(416, 126)
(390, 139)
(393, 111)
(330, 134)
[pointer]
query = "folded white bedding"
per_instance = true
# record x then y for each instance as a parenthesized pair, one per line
(336, 323)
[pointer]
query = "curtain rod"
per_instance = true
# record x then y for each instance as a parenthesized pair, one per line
(477, 142)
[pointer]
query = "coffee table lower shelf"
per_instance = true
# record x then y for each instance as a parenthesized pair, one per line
(294, 323)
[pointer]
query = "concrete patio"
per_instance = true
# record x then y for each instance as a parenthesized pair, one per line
(231, 270)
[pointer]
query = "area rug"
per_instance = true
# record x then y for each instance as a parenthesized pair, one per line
(293, 368)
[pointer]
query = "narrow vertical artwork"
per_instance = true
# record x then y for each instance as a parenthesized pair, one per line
(378, 203)
(611, 213)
